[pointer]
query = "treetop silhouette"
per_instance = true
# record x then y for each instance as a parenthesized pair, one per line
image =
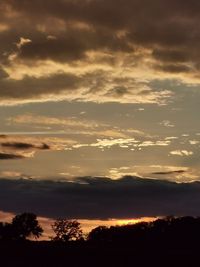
(67, 230)
(23, 226)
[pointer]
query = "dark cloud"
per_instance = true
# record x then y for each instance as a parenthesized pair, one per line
(3, 136)
(17, 145)
(7, 156)
(44, 147)
(30, 87)
(64, 83)
(72, 45)
(173, 68)
(168, 55)
(118, 91)
(23, 146)
(92, 197)
(169, 172)
(66, 30)
(170, 28)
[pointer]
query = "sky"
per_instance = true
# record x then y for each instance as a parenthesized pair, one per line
(99, 108)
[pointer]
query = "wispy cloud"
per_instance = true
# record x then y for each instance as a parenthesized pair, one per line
(167, 123)
(52, 121)
(182, 153)
(73, 125)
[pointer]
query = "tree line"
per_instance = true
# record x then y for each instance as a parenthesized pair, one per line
(164, 230)
(26, 225)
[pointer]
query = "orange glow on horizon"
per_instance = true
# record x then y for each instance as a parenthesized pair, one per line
(87, 225)
(134, 221)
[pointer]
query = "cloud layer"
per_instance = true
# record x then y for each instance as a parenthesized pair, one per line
(93, 198)
(99, 51)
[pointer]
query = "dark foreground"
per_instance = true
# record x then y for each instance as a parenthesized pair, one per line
(47, 254)
(165, 242)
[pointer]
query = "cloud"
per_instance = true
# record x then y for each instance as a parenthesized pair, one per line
(80, 26)
(155, 143)
(179, 174)
(181, 153)
(167, 123)
(17, 89)
(44, 147)
(12, 147)
(63, 121)
(17, 145)
(3, 136)
(74, 125)
(124, 143)
(8, 156)
(169, 172)
(93, 198)
(194, 142)
(23, 146)
(111, 142)
(100, 51)
(174, 68)
(93, 86)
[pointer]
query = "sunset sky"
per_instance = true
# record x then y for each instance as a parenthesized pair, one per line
(99, 108)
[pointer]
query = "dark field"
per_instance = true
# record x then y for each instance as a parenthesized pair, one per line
(47, 254)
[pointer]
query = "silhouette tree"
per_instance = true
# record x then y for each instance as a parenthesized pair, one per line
(99, 234)
(26, 225)
(67, 230)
